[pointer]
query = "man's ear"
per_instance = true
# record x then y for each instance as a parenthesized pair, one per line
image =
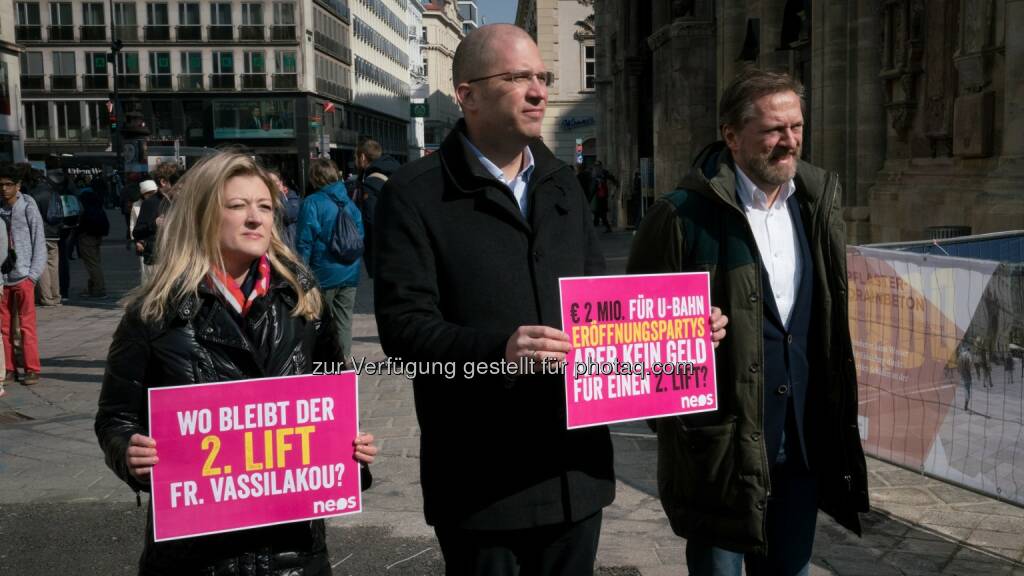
(729, 135)
(465, 96)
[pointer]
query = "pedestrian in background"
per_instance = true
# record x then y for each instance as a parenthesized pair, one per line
(22, 270)
(288, 216)
(47, 192)
(147, 188)
(313, 234)
(147, 225)
(743, 484)
(225, 268)
(375, 167)
(93, 228)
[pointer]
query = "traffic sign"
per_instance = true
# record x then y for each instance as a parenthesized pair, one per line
(419, 110)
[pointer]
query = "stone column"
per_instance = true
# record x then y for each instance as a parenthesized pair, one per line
(869, 110)
(829, 92)
(685, 94)
(1012, 159)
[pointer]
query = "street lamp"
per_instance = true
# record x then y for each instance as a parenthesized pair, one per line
(115, 114)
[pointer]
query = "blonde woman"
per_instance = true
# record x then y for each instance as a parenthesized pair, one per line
(224, 269)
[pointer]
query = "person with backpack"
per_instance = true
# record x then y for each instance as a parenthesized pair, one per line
(375, 168)
(93, 227)
(48, 193)
(329, 238)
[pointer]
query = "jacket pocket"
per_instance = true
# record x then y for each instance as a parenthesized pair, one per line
(708, 455)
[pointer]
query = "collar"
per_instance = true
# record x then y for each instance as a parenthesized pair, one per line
(524, 173)
(753, 197)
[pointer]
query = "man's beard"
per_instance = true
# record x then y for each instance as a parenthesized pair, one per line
(763, 170)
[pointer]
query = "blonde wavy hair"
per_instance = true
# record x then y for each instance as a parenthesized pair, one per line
(188, 242)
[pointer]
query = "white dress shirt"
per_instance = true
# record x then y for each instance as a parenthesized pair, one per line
(777, 239)
(518, 184)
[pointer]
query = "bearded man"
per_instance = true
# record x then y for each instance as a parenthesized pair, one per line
(744, 483)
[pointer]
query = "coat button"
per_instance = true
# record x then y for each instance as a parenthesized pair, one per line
(754, 368)
(755, 436)
(759, 505)
(789, 338)
(209, 329)
(753, 297)
(537, 254)
(781, 390)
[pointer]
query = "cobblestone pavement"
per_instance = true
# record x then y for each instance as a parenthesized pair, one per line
(51, 469)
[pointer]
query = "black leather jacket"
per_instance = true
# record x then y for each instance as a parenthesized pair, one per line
(201, 340)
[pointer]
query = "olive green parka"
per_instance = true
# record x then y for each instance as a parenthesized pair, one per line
(713, 469)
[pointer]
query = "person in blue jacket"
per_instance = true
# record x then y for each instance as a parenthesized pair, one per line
(313, 232)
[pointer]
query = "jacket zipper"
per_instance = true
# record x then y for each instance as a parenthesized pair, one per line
(760, 326)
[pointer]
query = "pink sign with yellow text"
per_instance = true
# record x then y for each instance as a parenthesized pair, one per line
(251, 453)
(641, 347)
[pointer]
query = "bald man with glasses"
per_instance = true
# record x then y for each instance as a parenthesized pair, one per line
(470, 244)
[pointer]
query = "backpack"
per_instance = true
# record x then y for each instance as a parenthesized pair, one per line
(64, 207)
(346, 243)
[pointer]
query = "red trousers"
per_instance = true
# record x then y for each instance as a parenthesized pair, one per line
(20, 299)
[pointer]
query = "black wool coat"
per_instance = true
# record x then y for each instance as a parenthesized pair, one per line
(200, 341)
(459, 269)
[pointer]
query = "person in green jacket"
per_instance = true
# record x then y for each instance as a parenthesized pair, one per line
(744, 484)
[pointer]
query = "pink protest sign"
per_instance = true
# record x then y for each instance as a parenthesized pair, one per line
(251, 453)
(641, 347)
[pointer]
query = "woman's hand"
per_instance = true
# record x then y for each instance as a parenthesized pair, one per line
(141, 456)
(718, 322)
(365, 450)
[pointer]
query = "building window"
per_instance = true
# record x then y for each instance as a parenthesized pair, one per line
(191, 71)
(31, 63)
(5, 91)
(156, 14)
(252, 14)
(160, 70)
(92, 14)
(284, 13)
(220, 14)
(28, 13)
(255, 63)
(188, 14)
(285, 62)
(98, 118)
(127, 63)
(95, 62)
(223, 62)
(69, 120)
(124, 14)
(423, 35)
(37, 120)
(60, 15)
(63, 63)
(589, 67)
(191, 62)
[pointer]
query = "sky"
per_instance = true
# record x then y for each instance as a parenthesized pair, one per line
(495, 11)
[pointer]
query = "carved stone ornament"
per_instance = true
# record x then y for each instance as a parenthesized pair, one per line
(902, 55)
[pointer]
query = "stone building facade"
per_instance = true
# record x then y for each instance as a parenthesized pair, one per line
(566, 40)
(917, 104)
(441, 35)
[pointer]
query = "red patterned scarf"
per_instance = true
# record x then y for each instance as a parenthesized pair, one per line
(232, 293)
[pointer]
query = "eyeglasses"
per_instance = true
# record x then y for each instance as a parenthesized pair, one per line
(520, 77)
(9, 184)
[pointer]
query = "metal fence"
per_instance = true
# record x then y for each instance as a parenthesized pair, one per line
(939, 346)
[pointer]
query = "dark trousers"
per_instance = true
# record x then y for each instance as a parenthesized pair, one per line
(555, 550)
(67, 241)
(790, 522)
